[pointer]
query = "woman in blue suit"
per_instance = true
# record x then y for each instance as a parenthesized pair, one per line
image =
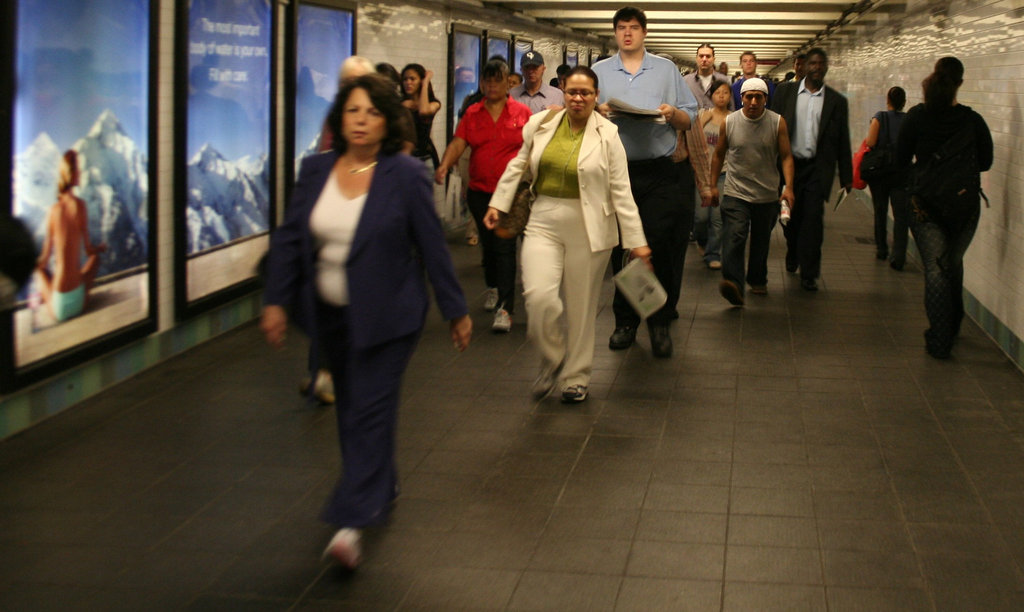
(347, 264)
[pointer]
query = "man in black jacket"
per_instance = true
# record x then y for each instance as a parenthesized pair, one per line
(819, 132)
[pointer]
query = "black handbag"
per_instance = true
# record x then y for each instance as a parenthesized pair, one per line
(879, 162)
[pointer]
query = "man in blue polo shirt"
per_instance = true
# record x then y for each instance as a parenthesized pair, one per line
(649, 82)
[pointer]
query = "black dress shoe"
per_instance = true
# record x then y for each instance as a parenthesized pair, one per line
(808, 284)
(791, 267)
(661, 341)
(622, 338)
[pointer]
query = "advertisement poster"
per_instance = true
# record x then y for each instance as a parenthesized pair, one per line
(498, 46)
(572, 57)
(466, 68)
(323, 41)
(81, 167)
(227, 143)
(522, 46)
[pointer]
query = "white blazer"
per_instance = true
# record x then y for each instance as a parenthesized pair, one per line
(605, 195)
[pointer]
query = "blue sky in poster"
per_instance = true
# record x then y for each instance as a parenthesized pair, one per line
(324, 41)
(229, 77)
(76, 59)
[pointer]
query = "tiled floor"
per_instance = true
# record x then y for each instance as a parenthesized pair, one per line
(802, 453)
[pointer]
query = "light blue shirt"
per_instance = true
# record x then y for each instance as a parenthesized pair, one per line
(808, 119)
(657, 82)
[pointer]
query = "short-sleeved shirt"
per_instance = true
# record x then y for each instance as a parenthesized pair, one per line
(545, 97)
(493, 143)
(657, 82)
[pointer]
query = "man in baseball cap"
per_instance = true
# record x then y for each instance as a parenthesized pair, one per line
(534, 92)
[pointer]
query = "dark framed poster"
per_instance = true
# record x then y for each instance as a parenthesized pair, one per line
(465, 57)
(521, 46)
(322, 37)
(499, 43)
(572, 56)
(80, 141)
(225, 151)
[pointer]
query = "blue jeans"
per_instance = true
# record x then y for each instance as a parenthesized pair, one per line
(942, 255)
(707, 227)
(741, 219)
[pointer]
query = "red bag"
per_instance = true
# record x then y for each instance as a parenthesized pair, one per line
(858, 182)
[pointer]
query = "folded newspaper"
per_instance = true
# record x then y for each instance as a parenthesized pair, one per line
(640, 288)
(620, 108)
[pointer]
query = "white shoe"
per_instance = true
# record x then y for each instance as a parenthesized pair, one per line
(502, 321)
(490, 299)
(345, 548)
(323, 389)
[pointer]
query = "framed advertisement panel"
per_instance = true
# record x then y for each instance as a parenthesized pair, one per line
(225, 151)
(321, 37)
(499, 43)
(521, 46)
(465, 60)
(80, 141)
(572, 56)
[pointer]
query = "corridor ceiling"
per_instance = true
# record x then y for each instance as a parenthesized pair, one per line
(772, 30)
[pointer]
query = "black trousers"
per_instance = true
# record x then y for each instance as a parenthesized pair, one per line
(499, 253)
(655, 186)
(884, 191)
(806, 228)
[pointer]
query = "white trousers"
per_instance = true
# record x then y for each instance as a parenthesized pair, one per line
(561, 275)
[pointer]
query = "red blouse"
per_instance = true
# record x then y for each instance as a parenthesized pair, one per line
(493, 143)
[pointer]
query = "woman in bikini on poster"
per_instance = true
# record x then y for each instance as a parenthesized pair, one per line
(65, 289)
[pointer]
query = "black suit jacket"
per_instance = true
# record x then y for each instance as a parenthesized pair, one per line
(833, 132)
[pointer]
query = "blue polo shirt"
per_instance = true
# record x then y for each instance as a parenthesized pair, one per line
(657, 82)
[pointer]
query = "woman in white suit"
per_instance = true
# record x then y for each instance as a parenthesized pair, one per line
(584, 207)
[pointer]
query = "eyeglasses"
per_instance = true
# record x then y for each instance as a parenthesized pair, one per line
(581, 93)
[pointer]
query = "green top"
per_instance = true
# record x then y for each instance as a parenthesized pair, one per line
(556, 175)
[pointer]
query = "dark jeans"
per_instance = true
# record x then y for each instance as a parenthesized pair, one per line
(806, 228)
(942, 255)
(882, 192)
(499, 253)
(367, 384)
(687, 197)
(655, 187)
(741, 218)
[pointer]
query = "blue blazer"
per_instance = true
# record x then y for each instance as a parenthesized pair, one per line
(398, 237)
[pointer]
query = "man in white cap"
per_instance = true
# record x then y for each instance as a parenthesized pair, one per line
(534, 92)
(750, 143)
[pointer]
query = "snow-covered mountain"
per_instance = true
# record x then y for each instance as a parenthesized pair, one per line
(113, 184)
(226, 200)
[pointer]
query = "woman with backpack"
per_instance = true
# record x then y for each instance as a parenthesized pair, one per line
(890, 185)
(951, 146)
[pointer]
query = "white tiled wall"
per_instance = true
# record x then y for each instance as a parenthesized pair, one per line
(900, 48)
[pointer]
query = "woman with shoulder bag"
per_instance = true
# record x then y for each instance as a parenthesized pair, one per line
(890, 186)
(942, 245)
(583, 204)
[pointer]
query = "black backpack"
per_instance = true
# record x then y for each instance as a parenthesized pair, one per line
(946, 187)
(880, 161)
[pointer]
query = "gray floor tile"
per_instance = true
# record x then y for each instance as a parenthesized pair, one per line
(643, 594)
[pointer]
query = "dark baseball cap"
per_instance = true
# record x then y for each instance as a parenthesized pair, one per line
(532, 58)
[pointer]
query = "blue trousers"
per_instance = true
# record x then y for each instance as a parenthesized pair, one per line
(942, 255)
(367, 383)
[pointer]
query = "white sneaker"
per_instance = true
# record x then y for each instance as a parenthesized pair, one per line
(490, 299)
(345, 548)
(502, 321)
(323, 389)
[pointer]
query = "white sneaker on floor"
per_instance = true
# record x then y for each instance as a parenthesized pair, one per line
(345, 548)
(502, 321)
(490, 299)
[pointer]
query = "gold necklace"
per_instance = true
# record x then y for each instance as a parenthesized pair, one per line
(363, 169)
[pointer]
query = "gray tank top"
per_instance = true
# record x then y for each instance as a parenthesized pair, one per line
(751, 172)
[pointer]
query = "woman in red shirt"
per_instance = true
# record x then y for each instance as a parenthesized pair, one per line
(493, 130)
